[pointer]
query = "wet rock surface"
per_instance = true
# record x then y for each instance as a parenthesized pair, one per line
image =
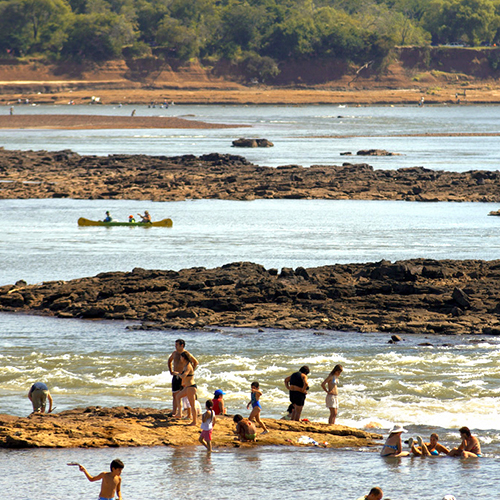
(96, 427)
(415, 296)
(252, 143)
(65, 174)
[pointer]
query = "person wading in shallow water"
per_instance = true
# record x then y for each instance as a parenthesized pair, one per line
(175, 366)
(296, 383)
(469, 448)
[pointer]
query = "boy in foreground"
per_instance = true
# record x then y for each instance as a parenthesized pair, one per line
(111, 481)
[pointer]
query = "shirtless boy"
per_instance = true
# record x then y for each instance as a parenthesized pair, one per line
(176, 364)
(433, 447)
(469, 448)
(111, 481)
(329, 385)
(245, 428)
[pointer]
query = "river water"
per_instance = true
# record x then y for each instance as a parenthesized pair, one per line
(302, 135)
(438, 388)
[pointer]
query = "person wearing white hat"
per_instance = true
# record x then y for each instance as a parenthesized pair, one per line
(449, 497)
(393, 447)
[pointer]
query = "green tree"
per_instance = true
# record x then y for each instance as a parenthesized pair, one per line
(471, 21)
(179, 39)
(15, 33)
(44, 14)
(98, 37)
(242, 28)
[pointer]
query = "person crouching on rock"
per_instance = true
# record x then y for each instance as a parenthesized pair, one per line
(189, 388)
(218, 400)
(245, 429)
(38, 395)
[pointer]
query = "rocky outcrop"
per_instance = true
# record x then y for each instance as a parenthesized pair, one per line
(64, 174)
(252, 143)
(416, 296)
(97, 427)
(375, 152)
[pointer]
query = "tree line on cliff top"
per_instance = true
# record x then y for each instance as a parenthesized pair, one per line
(256, 33)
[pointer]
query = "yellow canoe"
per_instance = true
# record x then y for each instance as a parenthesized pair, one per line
(161, 223)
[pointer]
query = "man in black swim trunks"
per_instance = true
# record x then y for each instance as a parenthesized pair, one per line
(175, 365)
(296, 383)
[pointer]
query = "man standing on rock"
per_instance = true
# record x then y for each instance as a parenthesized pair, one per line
(175, 365)
(296, 383)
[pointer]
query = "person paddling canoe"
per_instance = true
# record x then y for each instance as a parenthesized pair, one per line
(146, 218)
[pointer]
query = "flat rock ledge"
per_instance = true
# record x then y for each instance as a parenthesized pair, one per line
(65, 174)
(96, 427)
(421, 296)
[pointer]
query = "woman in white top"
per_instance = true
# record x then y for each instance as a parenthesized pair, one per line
(330, 387)
(207, 424)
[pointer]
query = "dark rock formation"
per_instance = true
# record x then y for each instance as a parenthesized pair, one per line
(375, 152)
(252, 143)
(414, 296)
(65, 174)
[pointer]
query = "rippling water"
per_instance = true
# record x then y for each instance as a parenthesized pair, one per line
(454, 382)
(303, 135)
(45, 242)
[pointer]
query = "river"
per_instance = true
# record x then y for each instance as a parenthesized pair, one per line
(437, 388)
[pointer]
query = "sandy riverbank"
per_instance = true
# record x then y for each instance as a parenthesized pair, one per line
(479, 94)
(100, 122)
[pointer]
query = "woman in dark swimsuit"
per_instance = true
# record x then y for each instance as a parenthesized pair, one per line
(188, 386)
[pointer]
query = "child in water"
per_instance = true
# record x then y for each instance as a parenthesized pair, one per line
(111, 481)
(207, 424)
(256, 407)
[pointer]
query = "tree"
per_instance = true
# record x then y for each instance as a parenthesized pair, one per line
(98, 37)
(15, 33)
(44, 13)
(453, 20)
(181, 40)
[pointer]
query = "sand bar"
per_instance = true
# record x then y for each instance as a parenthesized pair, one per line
(81, 122)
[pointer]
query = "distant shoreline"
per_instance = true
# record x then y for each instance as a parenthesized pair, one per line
(230, 94)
